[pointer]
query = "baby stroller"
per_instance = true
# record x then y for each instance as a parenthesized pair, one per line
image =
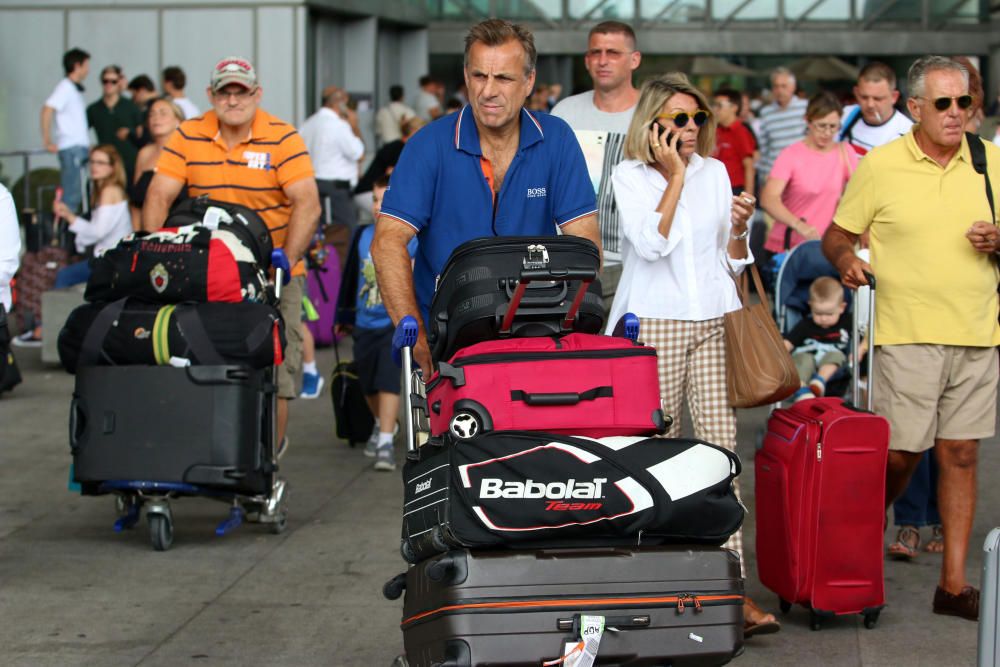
(801, 266)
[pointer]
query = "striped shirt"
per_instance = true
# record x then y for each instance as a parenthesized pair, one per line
(254, 173)
(779, 128)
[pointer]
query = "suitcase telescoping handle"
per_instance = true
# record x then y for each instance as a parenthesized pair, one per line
(585, 276)
(856, 345)
(403, 340)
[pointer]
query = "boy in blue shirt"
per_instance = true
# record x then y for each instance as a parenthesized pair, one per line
(360, 311)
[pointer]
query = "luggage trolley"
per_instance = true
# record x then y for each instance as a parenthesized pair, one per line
(256, 496)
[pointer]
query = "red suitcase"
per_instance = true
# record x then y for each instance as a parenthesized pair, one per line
(820, 495)
(579, 384)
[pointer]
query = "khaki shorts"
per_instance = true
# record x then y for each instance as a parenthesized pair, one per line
(935, 391)
(290, 371)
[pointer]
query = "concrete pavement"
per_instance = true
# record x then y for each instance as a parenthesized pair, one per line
(73, 592)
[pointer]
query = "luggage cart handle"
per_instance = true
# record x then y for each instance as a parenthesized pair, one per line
(856, 347)
(585, 276)
(403, 340)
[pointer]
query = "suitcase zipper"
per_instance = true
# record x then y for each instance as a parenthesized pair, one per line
(507, 357)
(569, 604)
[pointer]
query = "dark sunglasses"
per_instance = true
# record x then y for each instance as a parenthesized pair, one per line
(108, 82)
(681, 118)
(944, 103)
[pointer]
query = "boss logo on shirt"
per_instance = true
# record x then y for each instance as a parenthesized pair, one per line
(257, 160)
(536, 192)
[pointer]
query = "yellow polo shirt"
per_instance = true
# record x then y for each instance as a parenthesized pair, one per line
(933, 287)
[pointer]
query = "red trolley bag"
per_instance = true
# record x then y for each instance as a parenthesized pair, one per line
(820, 494)
(579, 384)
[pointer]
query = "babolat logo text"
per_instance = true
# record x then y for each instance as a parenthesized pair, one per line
(536, 192)
(530, 489)
(423, 486)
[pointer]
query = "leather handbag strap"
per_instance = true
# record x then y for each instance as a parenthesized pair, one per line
(742, 288)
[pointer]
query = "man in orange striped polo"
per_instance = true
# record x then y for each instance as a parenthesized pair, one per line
(239, 153)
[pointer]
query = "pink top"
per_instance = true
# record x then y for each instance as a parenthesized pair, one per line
(814, 183)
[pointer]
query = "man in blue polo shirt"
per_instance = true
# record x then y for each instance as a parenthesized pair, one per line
(492, 169)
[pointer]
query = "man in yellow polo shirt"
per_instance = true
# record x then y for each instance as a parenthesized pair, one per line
(239, 153)
(933, 239)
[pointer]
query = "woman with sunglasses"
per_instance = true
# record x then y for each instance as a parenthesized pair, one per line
(109, 220)
(683, 237)
(808, 177)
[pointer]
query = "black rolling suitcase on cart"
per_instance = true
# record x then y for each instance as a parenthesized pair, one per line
(660, 606)
(479, 284)
(208, 426)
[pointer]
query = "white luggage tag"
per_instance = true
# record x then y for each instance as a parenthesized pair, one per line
(214, 215)
(584, 652)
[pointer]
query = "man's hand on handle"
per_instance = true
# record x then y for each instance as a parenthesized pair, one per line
(852, 271)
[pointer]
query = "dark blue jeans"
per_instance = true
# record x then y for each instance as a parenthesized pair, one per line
(71, 165)
(73, 274)
(918, 504)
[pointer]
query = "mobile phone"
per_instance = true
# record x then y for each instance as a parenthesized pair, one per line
(659, 128)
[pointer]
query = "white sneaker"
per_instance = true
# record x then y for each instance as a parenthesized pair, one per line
(26, 339)
(385, 458)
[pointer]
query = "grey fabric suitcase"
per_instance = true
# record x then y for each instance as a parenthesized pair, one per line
(662, 605)
(989, 602)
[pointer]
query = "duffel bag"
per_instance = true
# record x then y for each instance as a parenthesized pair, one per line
(132, 331)
(242, 221)
(521, 489)
(174, 265)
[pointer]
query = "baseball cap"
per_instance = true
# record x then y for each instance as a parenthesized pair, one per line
(233, 70)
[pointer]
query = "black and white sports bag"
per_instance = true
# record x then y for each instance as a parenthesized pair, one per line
(522, 489)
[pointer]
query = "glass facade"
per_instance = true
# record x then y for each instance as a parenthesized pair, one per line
(730, 12)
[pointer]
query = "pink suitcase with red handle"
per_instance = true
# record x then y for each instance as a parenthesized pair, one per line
(579, 384)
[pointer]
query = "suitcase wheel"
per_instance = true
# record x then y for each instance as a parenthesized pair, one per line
(815, 621)
(465, 425)
(406, 551)
(871, 619)
(784, 605)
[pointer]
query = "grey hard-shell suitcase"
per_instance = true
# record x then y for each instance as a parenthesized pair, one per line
(661, 606)
(989, 602)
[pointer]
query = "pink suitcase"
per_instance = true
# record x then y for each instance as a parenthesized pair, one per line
(579, 384)
(820, 495)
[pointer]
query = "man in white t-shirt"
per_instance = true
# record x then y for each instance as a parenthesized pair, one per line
(600, 118)
(427, 104)
(174, 81)
(389, 119)
(874, 120)
(71, 142)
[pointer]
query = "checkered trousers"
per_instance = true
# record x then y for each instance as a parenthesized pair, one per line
(691, 361)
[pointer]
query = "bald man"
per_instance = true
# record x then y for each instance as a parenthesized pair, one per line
(334, 142)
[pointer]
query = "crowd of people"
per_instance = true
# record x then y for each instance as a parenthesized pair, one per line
(662, 177)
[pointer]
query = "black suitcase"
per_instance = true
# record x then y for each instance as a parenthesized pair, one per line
(479, 284)
(521, 489)
(353, 418)
(133, 331)
(661, 606)
(208, 426)
(241, 220)
(10, 376)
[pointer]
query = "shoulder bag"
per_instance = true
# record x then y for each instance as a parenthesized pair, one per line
(759, 370)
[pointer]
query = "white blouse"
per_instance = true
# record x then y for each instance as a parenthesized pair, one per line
(107, 226)
(686, 276)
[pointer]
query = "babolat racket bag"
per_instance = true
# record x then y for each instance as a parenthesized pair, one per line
(521, 489)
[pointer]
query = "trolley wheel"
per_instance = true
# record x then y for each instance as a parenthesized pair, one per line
(280, 522)
(400, 661)
(871, 619)
(161, 531)
(406, 551)
(815, 622)
(784, 605)
(121, 505)
(438, 541)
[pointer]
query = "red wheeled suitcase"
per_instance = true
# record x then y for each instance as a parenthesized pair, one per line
(820, 495)
(579, 384)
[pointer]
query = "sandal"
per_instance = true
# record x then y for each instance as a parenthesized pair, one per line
(936, 543)
(756, 621)
(907, 544)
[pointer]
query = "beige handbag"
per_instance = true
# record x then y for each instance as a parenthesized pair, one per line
(759, 370)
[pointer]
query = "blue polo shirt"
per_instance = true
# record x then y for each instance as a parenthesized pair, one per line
(441, 187)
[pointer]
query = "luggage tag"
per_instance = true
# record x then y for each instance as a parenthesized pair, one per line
(584, 652)
(213, 216)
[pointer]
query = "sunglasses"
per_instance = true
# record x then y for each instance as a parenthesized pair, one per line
(944, 103)
(109, 82)
(681, 118)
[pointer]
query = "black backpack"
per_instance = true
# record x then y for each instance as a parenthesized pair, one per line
(244, 222)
